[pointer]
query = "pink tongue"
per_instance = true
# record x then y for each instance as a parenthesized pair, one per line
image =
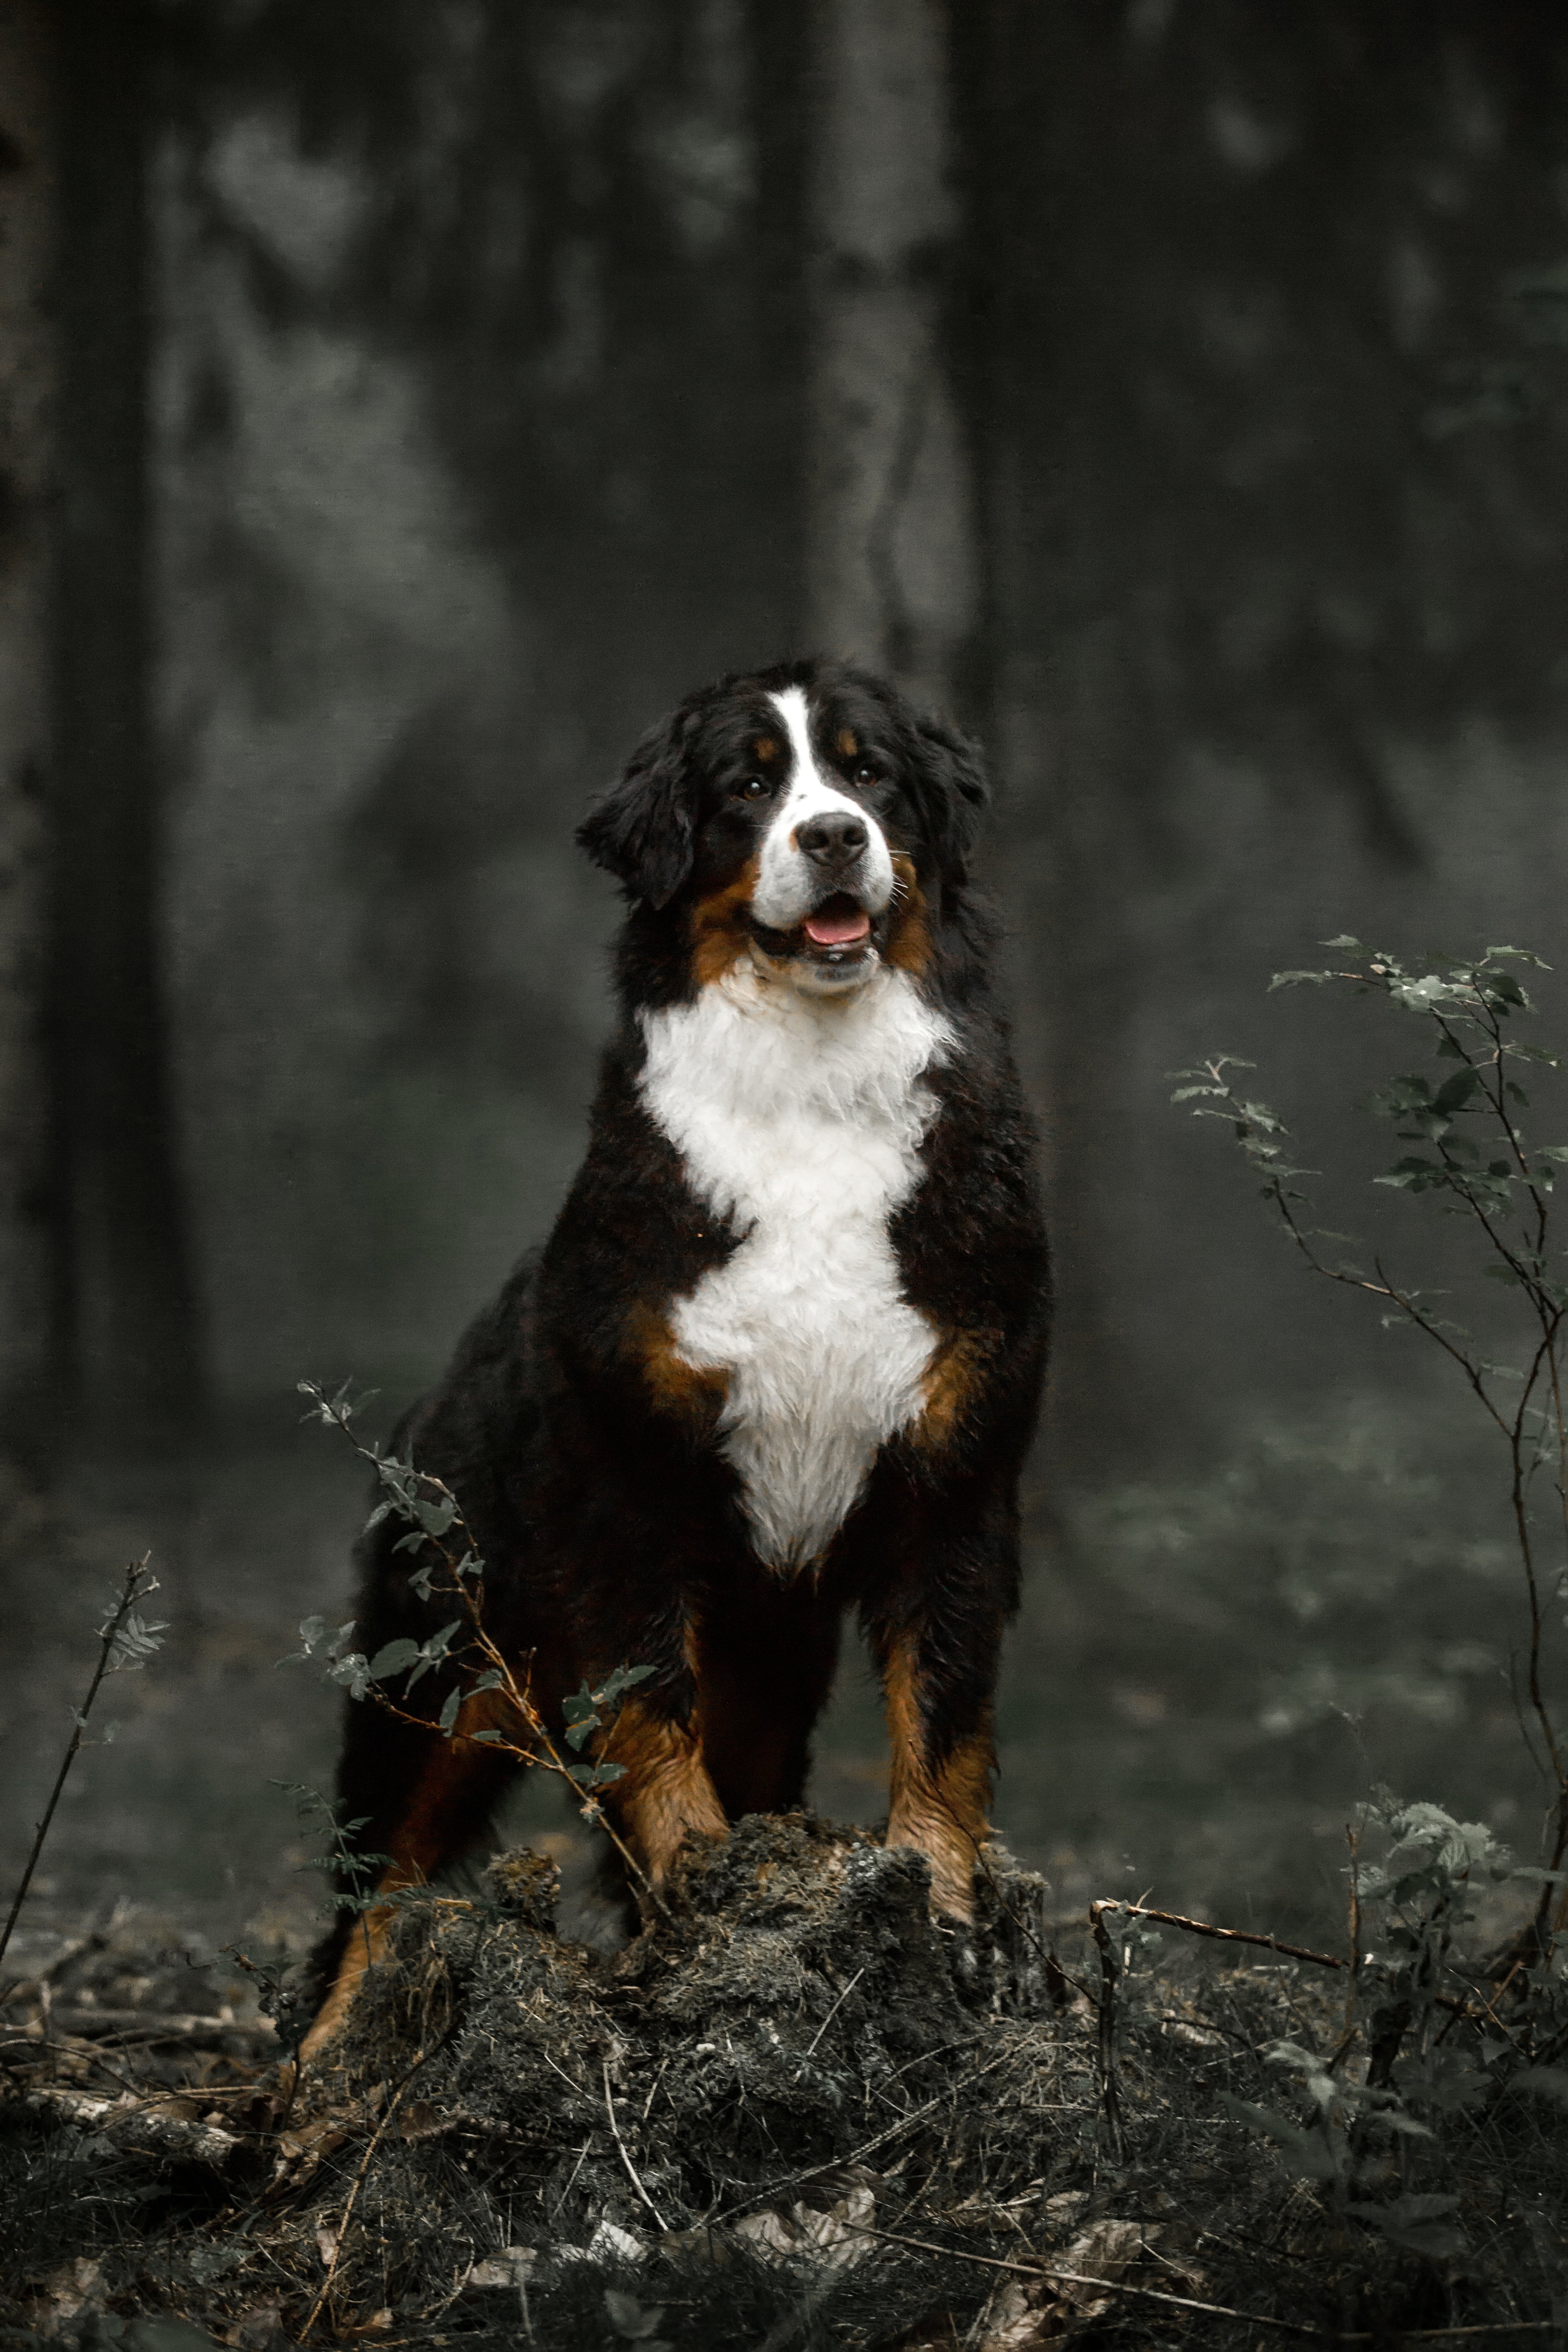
(837, 930)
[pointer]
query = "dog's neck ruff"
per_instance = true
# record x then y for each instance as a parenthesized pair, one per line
(800, 1120)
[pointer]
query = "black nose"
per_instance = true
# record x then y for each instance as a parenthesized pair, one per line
(836, 839)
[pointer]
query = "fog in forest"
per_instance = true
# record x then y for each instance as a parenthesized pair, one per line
(406, 402)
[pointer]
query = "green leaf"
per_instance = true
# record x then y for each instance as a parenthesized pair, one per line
(434, 1650)
(1308, 2153)
(620, 1679)
(1454, 1092)
(448, 1715)
(392, 1658)
(1411, 1174)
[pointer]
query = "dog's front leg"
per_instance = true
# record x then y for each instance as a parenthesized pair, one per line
(666, 1793)
(935, 1632)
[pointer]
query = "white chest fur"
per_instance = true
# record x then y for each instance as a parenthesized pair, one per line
(801, 1121)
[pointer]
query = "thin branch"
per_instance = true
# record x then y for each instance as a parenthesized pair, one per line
(1240, 1936)
(1045, 2270)
(132, 1591)
(833, 2012)
(1042, 2270)
(1110, 2092)
(373, 2143)
(469, 1591)
(632, 2173)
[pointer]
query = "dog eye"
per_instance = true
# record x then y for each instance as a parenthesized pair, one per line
(865, 774)
(755, 788)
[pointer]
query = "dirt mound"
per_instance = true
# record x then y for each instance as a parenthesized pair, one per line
(740, 2088)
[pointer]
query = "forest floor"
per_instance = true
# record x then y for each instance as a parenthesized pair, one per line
(732, 2133)
(794, 2113)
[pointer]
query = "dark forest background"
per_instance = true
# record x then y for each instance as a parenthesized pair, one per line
(402, 403)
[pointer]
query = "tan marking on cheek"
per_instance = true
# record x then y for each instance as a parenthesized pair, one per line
(909, 929)
(717, 927)
(692, 1394)
(665, 1794)
(937, 1808)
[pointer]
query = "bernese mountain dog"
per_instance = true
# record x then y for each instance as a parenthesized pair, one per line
(782, 1354)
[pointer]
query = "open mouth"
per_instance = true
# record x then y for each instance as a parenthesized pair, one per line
(839, 934)
(839, 923)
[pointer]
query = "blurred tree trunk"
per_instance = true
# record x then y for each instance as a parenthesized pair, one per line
(126, 1321)
(27, 359)
(891, 559)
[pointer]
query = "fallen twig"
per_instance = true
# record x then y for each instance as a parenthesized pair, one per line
(1110, 2094)
(140, 2025)
(833, 2012)
(1245, 1936)
(631, 2169)
(207, 2143)
(837, 2163)
(371, 2145)
(1044, 2270)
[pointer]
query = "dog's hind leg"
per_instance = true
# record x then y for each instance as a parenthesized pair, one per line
(766, 1657)
(421, 1799)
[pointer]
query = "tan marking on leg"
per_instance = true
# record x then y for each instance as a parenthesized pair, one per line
(908, 929)
(719, 936)
(939, 1809)
(423, 1842)
(950, 1381)
(692, 1394)
(365, 1947)
(665, 1792)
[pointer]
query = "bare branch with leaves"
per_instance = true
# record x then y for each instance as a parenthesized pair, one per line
(485, 1682)
(126, 1641)
(1476, 1160)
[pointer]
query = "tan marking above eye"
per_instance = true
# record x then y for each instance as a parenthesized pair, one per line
(848, 743)
(765, 748)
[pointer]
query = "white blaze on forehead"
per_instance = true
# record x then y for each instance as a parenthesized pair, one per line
(788, 883)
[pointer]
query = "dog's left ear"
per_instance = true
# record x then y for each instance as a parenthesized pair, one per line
(643, 829)
(955, 793)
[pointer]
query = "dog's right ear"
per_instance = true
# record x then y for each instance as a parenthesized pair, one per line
(643, 830)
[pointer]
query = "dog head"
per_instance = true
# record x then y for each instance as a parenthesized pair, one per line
(807, 816)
